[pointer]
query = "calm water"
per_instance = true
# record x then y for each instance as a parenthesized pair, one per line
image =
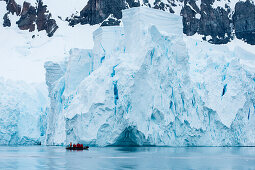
(39, 157)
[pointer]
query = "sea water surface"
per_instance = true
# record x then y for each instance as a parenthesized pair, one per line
(42, 157)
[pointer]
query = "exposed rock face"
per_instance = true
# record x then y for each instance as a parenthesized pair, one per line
(190, 22)
(31, 17)
(28, 17)
(244, 21)
(44, 21)
(7, 22)
(13, 7)
(206, 21)
(218, 21)
(97, 11)
(162, 6)
(202, 17)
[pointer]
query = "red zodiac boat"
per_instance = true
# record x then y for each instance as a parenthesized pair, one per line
(77, 147)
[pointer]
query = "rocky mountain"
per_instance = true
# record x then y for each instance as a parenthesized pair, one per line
(218, 21)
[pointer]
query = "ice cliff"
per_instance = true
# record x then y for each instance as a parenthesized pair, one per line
(143, 83)
(22, 113)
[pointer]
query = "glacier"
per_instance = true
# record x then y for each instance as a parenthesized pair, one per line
(145, 83)
(24, 98)
(23, 113)
(142, 83)
(213, 77)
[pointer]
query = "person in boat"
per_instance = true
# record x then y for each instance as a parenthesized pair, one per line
(76, 146)
(79, 145)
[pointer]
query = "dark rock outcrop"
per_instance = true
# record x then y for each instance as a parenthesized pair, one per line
(190, 22)
(203, 19)
(31, 17)
(27, 17)
(207, 21)
(7, 22)
(96, 11)
(217, 25)
(244, 21)
(162, 6)
(44, 21)
(13, 7)
(132, 3)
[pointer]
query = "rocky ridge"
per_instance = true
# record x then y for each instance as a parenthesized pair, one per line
(30, 17)
(218, 21)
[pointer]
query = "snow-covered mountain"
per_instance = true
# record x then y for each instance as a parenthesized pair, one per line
(133, 84)
(219, 21)
(23, 53)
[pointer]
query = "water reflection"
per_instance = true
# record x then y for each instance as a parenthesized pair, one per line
(37, 157)
(135, 149)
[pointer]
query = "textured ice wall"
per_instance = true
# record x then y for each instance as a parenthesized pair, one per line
(62, 80)
(22, 113)
(156, 88)
(106, 40)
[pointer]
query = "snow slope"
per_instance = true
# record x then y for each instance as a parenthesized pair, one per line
(152, 86)
(23, 57)
(23, 99)
(19, 47)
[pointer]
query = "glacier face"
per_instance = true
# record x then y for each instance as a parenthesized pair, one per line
(146, 84)
(23, 113)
